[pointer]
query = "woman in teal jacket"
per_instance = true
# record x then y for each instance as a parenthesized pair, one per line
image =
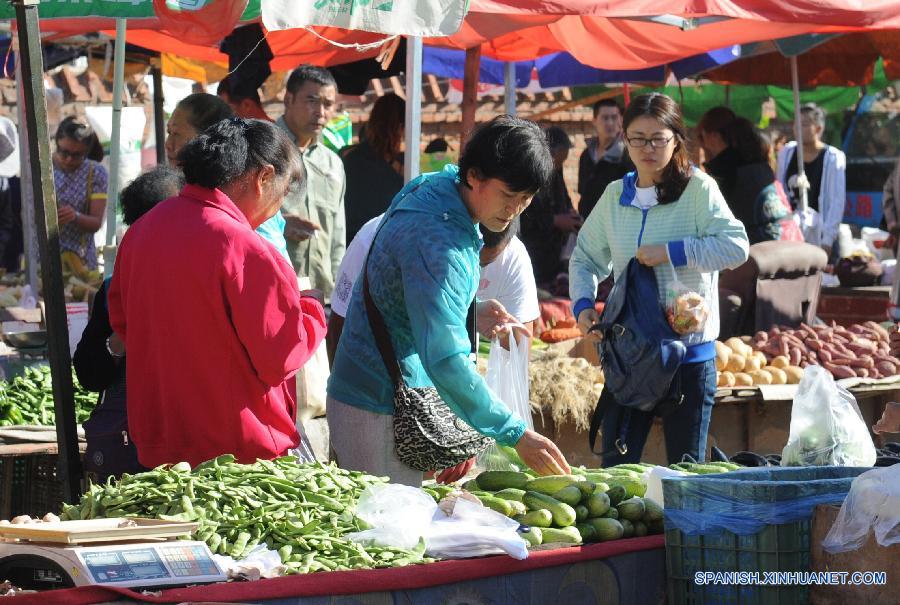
(673, 218)
(423, 274)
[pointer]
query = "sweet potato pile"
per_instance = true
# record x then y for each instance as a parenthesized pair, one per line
(860, 350)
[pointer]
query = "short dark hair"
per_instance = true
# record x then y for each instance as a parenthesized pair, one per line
(493, 239)
(76, 129)
(149, 189)
(309, 73)
(81, 132)
(236, 94)
(557, 138)
(717, 119)
(203, 110)
(232, 147)
(438, 145)
(606, 103)
(510, 149)
(678, 172)
(815, 113)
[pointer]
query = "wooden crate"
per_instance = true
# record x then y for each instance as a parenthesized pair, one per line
(870, 557)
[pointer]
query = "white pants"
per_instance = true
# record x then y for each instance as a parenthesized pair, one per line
(364, 441)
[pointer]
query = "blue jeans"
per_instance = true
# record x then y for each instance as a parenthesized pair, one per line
(685, 428)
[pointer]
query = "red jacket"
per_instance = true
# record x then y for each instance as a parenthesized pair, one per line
(214, 329)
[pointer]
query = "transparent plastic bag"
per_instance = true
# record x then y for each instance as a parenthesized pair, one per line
(872, 504)
(399, 515)
(507, 378)
(686, 309)
(827, 428)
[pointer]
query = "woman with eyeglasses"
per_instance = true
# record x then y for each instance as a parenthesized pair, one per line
(80, 192)
(672, 217)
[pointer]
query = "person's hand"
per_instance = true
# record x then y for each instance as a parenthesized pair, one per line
(65, 215)
(568, 222)
(116, 344)
(586, 319)
(490, 317)
(541, 454)
(299, 229)
(517, 331)
(895, 341)
(652, 256)
(890, 420)
(455, 473)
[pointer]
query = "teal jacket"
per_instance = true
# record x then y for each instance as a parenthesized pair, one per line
(273, 232)
(423, 275)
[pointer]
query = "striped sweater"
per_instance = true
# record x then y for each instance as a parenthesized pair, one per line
(701, 233)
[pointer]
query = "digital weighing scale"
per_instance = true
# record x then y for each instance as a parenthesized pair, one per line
(41, 565)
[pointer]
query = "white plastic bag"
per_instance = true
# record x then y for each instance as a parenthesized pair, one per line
(399, 515)
(402, 516)
(507, 378)
(872, 504)
(473, 530)
(653, 478)
(827, 428)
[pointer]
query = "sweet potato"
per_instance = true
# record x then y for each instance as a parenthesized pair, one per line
(560, 334)
(813, 344)
(863, 361)
(824, 355)
(886, 367)
(761, 336)
(861, 372)
(839, 371)
(795, 354)
(877, 328)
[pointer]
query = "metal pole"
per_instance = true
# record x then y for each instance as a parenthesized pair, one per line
(413, 129)
(509, 85)
(29, 237)
(115, 151)
(69, 465)
(159, 115)
(798, 135)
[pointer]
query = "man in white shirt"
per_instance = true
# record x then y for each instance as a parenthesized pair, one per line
(506, 275)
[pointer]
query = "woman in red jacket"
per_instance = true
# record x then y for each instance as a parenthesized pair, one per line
(212, 319)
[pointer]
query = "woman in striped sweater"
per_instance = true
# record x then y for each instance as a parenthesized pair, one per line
(672, 217)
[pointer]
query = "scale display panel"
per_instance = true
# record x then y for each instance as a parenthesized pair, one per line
(145, 565)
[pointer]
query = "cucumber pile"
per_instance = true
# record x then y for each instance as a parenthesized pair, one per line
(590, 505)
(587, 506)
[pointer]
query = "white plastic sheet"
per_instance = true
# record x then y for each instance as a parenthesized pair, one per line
(873, 504)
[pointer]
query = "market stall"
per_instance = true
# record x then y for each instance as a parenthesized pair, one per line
(629, 571)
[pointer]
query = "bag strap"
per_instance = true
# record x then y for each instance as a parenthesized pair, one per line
(379, 330)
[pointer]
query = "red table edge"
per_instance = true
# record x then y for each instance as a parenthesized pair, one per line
(354, 582)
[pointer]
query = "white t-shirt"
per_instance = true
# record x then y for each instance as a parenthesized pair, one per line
(645, 198)
(352, 265)
(509, 279)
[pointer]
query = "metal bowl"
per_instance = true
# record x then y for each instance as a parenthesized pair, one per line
(26, 340)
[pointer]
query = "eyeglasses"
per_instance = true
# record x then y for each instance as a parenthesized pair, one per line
(655, 142)
(75, 155)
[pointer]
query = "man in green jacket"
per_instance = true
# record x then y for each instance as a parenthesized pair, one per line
(314, 216)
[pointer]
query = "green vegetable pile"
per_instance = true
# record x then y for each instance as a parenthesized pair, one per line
(590, 505)
(304, 511)
(28, 399)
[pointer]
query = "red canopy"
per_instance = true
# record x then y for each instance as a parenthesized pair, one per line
(609, 35)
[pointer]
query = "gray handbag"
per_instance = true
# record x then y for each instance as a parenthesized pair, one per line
(428, 435)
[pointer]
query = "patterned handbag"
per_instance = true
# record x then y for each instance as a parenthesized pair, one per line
(428, 435)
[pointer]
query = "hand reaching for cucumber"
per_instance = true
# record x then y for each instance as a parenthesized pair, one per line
(541, 454)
